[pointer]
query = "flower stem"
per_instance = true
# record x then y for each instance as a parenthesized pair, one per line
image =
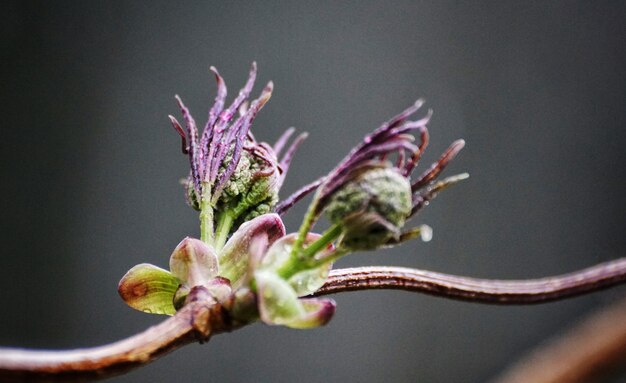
(207, 234)
(224, 224)
(329, 235)
(305, 259)
(329, 258)
(308, 221)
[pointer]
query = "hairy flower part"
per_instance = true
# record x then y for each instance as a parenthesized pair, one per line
(393, 137)
(369, 196)
(231, 172)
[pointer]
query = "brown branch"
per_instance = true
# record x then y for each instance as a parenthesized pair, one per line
(202, 317)
(197, 321)
(584, 353)
(512, 292)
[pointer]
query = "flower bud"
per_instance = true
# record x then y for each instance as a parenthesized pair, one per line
(233, 178)
(252, 189)
(372, 207)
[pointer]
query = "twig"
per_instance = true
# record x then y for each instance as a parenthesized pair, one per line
(583, 353)
(203, 317)
(197, 321)
(512, 292)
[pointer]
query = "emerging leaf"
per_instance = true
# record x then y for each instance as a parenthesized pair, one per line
(193, 262)
(279, 304)
(260, 232)
(149, 288)
(306, 280)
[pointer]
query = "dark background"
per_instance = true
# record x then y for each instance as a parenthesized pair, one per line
(90, 167)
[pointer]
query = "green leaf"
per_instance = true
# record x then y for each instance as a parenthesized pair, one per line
(149, 288)
(279, 304)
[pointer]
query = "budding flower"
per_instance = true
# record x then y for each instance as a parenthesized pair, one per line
(233, 178)
(369, 196)
(372, 207)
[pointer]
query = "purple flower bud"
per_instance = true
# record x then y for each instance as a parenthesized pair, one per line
(231, 172)
(370, 194)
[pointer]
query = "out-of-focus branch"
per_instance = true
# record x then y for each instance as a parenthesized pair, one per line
(582, 354)
(493, 291)
(202, 317)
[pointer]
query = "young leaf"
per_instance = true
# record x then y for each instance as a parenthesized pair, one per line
(149, 288)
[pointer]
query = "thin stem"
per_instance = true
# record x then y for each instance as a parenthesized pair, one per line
(206, 215)
(512, 292)
(329, 235)
(305, 259)
(329, 258)
(307, 223)
(224, 224)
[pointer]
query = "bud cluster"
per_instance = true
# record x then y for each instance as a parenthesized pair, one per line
(244, 259)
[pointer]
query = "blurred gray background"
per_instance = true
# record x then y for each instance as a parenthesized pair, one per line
(90, 167)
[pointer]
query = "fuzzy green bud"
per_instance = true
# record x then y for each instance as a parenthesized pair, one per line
(252, 190)
(372, 208)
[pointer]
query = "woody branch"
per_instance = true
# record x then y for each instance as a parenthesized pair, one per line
(203, 317)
